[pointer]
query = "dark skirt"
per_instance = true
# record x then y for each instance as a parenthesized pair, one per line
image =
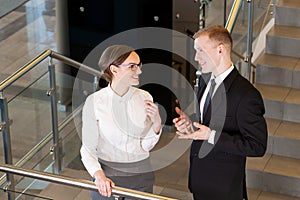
(137, 176)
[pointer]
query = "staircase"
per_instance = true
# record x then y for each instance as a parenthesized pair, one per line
(278, 80)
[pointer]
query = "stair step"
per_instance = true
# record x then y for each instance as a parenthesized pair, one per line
(284, 41)
(284, 138)
(274, 174)
(278, 70)
(262, 195)
(281, 102)
(286, 12)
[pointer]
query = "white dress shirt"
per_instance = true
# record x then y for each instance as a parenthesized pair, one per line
(116, 128)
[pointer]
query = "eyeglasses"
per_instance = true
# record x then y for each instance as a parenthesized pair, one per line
(132, 66)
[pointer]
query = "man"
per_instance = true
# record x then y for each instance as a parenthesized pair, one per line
(232, 125)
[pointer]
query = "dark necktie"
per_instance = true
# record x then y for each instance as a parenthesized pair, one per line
(209, 95)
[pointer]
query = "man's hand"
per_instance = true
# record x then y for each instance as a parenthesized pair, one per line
(202, 133)
(104, 184)
(182, 123)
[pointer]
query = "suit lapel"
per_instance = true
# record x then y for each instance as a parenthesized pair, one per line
(219, 99)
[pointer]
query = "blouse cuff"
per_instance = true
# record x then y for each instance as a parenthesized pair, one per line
(211, 138)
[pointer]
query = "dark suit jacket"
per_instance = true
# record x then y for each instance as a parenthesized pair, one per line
(236, 113)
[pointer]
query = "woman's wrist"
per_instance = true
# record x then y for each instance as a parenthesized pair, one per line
(156, 128)
(99, 175)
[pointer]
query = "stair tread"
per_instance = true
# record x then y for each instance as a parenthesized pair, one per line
(285, 31)
(283, 166)
(258, 163)
(254, 194)
(272, 92)
(285, 62)
(297, 66)
(272, 125)
(286, 129)
(279, 93)
(274, 196)
(274, 164)
(289, 3)
(283, 128)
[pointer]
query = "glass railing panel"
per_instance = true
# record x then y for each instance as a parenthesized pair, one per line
(261, 13)
(215, 12)
(16, 194)
(71, 143)
(70, 146)
(29, 109)
(31, 114)
(37, 190)
(45, 164)
(26, 101)
(26, 80)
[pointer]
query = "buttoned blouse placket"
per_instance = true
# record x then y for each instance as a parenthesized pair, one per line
(123, 101)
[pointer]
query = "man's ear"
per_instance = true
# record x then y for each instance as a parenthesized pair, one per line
(221, 48)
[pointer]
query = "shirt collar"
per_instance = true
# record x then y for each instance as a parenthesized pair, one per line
(219, 79)
(125, 97)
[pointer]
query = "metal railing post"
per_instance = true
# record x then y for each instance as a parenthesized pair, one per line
(5, 123)
(95, 83)
(56, 148)
(202, 15)
(225, 13)
(249, 39)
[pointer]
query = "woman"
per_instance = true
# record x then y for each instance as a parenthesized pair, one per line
(121, 124)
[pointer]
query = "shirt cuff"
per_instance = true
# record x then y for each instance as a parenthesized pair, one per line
(157, 134)
(211, 138)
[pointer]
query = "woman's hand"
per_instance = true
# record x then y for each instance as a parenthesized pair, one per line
(153, 113)
(104, 184)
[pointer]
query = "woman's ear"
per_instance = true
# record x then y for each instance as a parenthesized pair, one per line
(113, 69)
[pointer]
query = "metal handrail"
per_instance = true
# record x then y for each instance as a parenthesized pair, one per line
(31, 64)
(233, 15)
(84, 184)
(21, 71)
(75, 64)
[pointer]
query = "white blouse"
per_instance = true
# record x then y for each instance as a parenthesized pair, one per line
(116, 128)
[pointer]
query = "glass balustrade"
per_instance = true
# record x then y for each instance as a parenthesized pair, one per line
(262, 13)
(29, 110)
